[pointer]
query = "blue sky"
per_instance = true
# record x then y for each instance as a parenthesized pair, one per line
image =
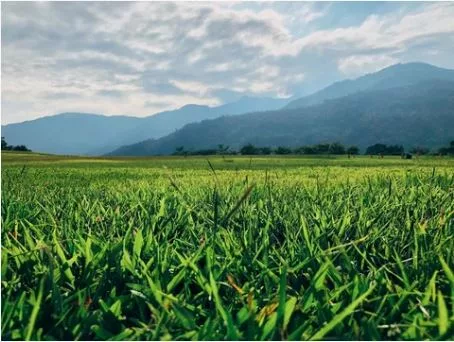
(139, 58)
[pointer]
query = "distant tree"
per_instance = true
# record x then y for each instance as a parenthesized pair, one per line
(447, 150)
(7, 147)
(179, 151)
(443, 151)
(223, 149)
(395, 150)
(283, 150)
(298, 150)
(305, 150)
(322, 148)
(4, 144)
(264, 150)
(419, 150)
(248, 149)
(382, 149)
(336, 148)
(206, 152)
(353, 150)
(376, 149)
(309, 150)
(21, 148)
(407, 156)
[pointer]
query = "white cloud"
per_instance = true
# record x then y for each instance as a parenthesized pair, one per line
(220, 67)
(75, 56)
(353, 66)
(191, 87)
(386, 32)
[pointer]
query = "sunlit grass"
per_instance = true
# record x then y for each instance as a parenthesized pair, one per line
(250, 248)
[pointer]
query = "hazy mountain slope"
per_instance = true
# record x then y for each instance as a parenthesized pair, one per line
(248, 104)
(164, 123)
(421, 114)
(390, 77)
(92, 134)
(76, 133)
(69, 133)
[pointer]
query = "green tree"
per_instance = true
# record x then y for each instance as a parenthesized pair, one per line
(394, 150)
(179, 151)
(419, 150)
(336, 148)
(447, 150)
(321, 148)
(353, 150)
(223, 149)
(248, 149)
(22, 148)
(283, 150)
(265, 150)
(309, 150)
(6, 147)
(4, 144)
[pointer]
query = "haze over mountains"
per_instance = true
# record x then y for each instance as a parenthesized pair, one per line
(415, 115)
(390, 77)
(410, 104)
(95, 134)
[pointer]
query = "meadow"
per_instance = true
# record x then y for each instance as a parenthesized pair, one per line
(227, 247)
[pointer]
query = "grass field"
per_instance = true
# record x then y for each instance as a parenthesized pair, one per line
(227, 247)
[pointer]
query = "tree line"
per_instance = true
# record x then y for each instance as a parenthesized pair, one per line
(449, 150)
(6, 147)
(249, 149)
(334, 148)
(319, 149)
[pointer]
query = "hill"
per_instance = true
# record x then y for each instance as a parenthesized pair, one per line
(397, 75)
(94, 134)
(70, 133)
(420, 114)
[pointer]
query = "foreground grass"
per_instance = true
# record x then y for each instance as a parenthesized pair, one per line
(238, 248)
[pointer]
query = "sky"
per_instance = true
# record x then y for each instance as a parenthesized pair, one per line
(140, 58)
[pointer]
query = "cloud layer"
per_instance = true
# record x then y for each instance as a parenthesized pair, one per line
(138, 58)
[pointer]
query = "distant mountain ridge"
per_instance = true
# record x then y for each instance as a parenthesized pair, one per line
(76, 133)
(95, 134)
(414, 115)
(393, 76)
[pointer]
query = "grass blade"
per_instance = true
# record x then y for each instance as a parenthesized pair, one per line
(341, 316)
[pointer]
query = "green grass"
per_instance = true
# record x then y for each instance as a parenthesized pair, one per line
(234, 248)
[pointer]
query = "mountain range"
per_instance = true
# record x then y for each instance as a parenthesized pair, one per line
(95, 134)
(391, 77)
(413, 115)
(410, 104)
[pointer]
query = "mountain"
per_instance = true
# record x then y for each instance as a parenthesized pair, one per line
(164, 123)
(390, 77)
(94, 134)
(70, 133)
(248, 104)
(418, 114)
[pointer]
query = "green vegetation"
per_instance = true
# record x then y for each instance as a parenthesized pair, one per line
(447, 150)
(6, 147)
(382, 149)
(227, 247)
(419, 114)
(251, 150)
(334, 148)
